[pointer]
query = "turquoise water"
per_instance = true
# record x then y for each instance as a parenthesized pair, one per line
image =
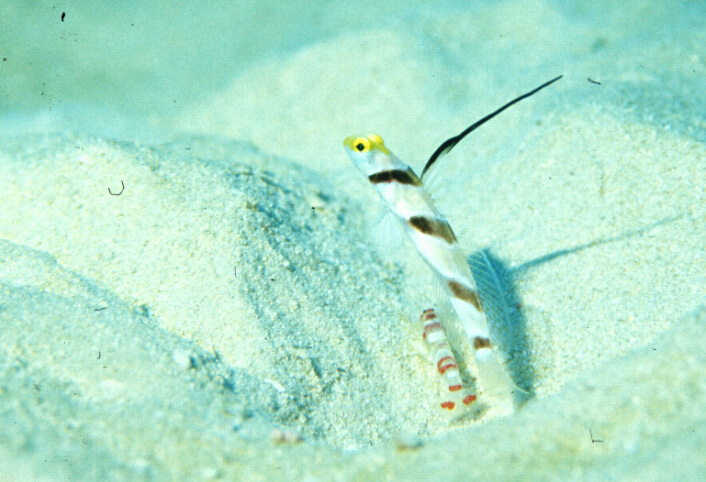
(229, 295)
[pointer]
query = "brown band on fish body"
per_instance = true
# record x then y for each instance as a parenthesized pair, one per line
(433, 227)
(480, 342)
(406, 176)
(465, 293)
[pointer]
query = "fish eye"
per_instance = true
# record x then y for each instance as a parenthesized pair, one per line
(361, 144)
(376, 139)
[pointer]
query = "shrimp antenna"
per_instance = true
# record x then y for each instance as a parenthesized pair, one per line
(449, 144)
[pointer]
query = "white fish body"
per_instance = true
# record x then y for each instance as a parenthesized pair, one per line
(403, 193)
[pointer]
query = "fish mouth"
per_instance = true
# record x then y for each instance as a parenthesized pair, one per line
(348, 141)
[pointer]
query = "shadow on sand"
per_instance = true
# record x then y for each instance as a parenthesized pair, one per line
(502, 304)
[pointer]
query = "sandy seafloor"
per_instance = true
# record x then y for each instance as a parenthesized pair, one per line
(232, 290)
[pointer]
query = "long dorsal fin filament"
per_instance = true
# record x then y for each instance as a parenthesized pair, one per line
(449, 144)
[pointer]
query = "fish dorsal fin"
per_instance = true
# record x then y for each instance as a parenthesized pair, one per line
(450, 143)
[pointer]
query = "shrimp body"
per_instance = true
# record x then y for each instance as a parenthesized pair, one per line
(437, 344)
